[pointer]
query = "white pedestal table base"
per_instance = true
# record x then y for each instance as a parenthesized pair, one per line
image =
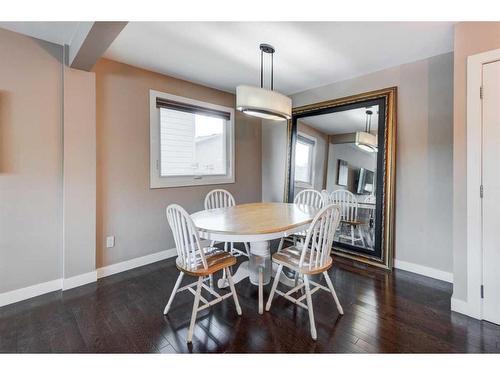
(259, 269)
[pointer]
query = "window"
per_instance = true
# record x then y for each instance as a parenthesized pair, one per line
(192, 142)
(304, 160)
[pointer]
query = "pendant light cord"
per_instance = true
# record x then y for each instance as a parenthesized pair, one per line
(368, 121)
(272, 71)
(261, 69)
(265, 48)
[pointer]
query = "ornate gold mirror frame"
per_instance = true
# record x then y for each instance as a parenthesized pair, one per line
(388, 95)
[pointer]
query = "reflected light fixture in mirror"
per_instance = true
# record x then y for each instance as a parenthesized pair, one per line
(261, 102)
(366, 141)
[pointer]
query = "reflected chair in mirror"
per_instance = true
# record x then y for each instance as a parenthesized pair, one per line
(220, 198)
(349, 215)
(371, 199)
(309, 259)
(309, 197)
(194, 260)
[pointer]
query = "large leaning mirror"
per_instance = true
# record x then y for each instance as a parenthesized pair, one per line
(346, 149)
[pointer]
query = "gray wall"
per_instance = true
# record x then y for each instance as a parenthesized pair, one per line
(30, 161)
(355, 159)
(274, 134)
(424, 154)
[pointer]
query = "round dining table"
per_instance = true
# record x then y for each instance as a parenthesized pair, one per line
(257, 224)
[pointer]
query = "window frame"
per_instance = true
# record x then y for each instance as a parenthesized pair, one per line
(156, 180)
(313, 141)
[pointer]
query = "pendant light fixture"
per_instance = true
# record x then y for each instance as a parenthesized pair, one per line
(261, 102)
(366, 141)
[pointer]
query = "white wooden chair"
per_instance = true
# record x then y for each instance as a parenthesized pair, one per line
(220, 198)
(193, 260)
(349, 214)
(311, 258)
(309, 197)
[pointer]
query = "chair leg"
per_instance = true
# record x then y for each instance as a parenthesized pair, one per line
(296, 282)
(174, 291)
(247, 249)
(352, 235)
(224, 270)
(282, 241)
(360, 232)
(310, 308)
(211, 281)
(330, 286)
(233, 290)
(261, 290)
(273, 289)
(195, 309)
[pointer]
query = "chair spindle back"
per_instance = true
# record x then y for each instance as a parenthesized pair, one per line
(219, 198)
(187, 240)
(347, 202)
(326, 197)
(309, 197)
(318, 243)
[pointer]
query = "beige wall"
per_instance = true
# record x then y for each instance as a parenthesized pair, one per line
(126, 206)
(30, 161)
(470, 38)
(79, 187)
(424, 154)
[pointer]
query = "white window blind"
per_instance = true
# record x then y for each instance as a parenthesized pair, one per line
(191, 144)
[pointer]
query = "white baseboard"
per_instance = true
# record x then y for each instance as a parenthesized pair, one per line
(29, 292)
(79, 280)
(423, 270)
(464, 307)
(136, 262)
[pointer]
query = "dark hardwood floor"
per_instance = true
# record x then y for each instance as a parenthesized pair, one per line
(384, 313)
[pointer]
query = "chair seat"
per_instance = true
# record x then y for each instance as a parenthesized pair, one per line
(290, 257)
(352, 222)
(216, 259)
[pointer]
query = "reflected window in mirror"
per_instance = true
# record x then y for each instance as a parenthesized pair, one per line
(304, 161)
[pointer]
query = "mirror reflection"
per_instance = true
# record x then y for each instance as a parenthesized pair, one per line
(336, 153)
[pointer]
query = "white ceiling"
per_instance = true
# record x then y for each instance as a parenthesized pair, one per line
(55, 32)
(343, 122)
(308, 54)
(225, 54)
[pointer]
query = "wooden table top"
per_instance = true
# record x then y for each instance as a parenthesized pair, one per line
(254, 218)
